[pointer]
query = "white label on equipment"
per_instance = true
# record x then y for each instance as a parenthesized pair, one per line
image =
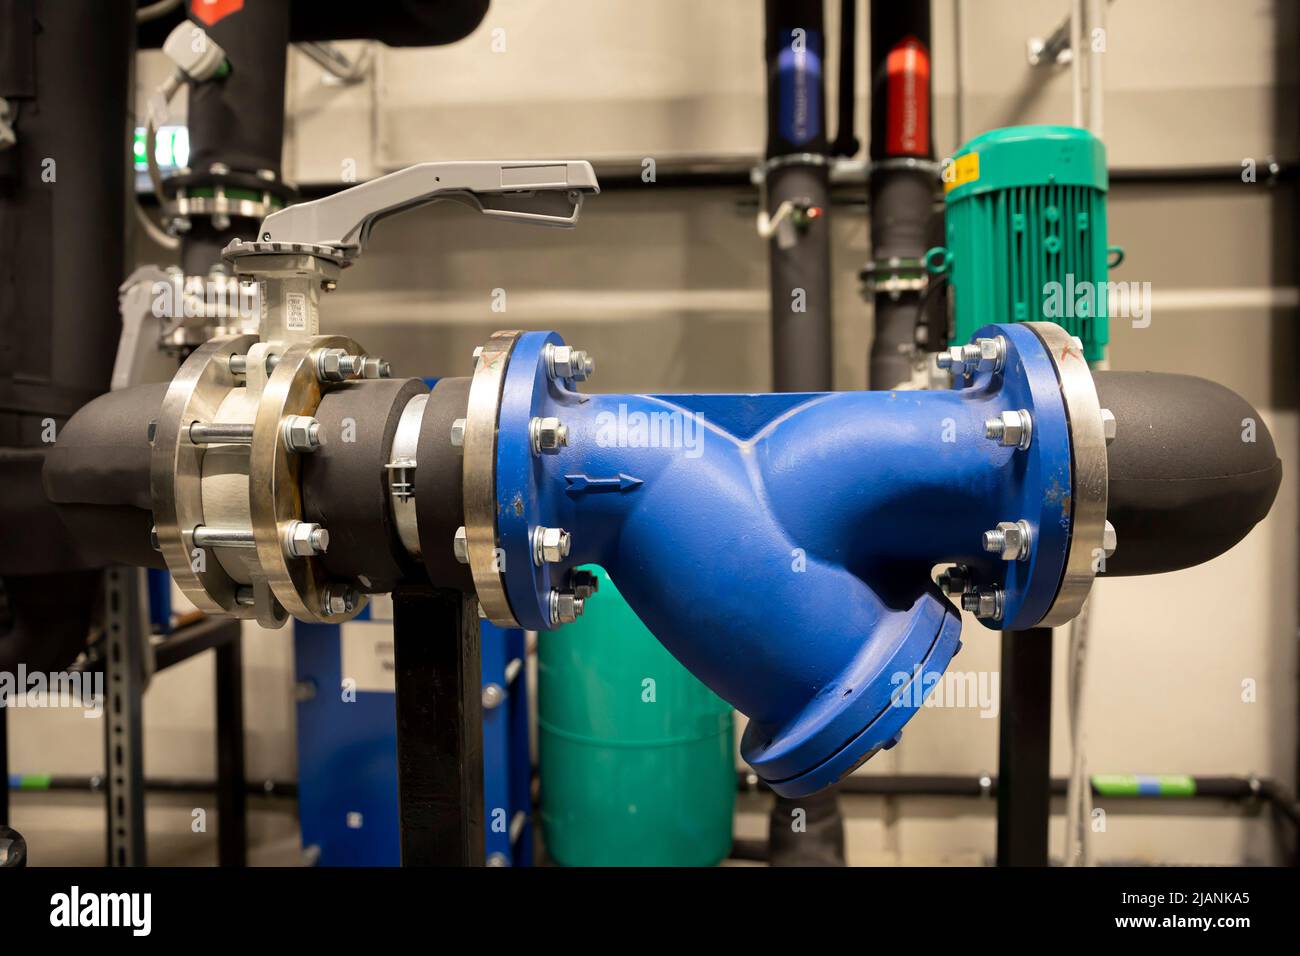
(295, 312)
(367, 655)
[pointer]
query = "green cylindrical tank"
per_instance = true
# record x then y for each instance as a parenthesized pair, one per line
(636, 755)
(1025, 228)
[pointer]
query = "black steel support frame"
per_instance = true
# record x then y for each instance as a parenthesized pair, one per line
(439, 726)
(127, 642)
(1025, 748)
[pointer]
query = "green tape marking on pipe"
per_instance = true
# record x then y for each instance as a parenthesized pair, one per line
(1144, 785)
(34, 781)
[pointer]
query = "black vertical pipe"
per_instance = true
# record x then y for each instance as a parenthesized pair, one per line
(232, 808)
(64, 71)
(902, 185)
(238, 121)
(4, 765)
(1025, 747)
(439, 726)
(796, 170)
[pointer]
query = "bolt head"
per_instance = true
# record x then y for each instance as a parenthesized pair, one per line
(955, 580)
(376, 367)
(1108, 425)
(549, 434)
(493, 696)
(301, 433)
(1109, 540)
(458, 432)
(460, 545)
(306, 538)
(584, 583)
(553, 544)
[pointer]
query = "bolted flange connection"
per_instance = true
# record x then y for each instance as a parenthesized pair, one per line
(1011, 540)
(550, 545)
(300, 433)
(460, 545)
(982, 355)
(306, 538)
(339, 599)
(566, 607)
(547, 435)
(566, 362)
(1012, 429)
(985, 603)
(337, 365)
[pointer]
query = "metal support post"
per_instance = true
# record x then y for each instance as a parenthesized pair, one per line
(439, 726)
(1025, 747)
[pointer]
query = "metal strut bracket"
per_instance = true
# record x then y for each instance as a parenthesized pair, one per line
(541, 193)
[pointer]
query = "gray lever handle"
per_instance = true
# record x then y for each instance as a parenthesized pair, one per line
(545, 193)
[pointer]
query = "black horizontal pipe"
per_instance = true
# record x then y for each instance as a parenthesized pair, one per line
(39, 783)
(955, 785)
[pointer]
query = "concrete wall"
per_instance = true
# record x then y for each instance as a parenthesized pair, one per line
(668, 288)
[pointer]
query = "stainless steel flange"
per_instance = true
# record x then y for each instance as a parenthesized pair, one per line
(1088, 471)
(300, 583)
(175, 472)
(480, 451)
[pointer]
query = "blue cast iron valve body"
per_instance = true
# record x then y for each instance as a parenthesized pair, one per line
(782, 546)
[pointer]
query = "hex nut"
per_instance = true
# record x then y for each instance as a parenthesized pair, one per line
(985, 604)
(336, 365)
(306, 538)
(301, 433)
(547, 434)
(550, 545)
(1108, 427)
(338, 600)
(1109, 540)
(1010, 540)
(460, 545)
(566, 607)
(992, 353)
(954, 580)
(1012, 429)
(375, 367)
(569, 363)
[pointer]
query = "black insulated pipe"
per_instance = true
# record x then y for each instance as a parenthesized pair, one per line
(64, 71)
(1192, 469)
(398, 23)
(902, 185)
(796, 171)
(236, 123)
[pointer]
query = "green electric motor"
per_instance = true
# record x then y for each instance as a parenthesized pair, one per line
(636, 756)
(1026, 232)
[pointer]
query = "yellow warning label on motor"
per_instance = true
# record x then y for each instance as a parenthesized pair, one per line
(962, 170)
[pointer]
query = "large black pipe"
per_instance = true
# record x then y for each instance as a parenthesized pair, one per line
(64, 70)
(796, 171)
(393, 23)
(901, 190)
